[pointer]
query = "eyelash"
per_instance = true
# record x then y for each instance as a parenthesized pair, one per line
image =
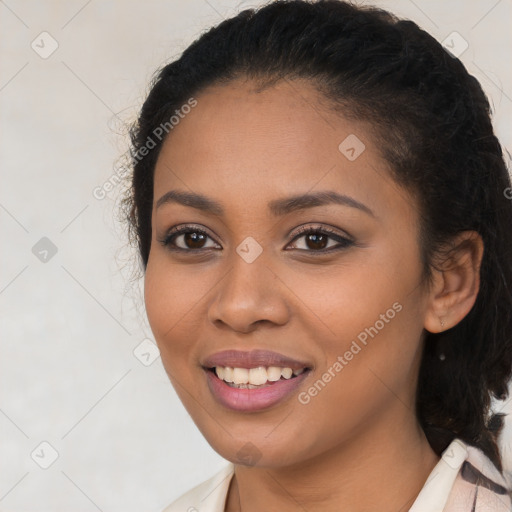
(343, 242)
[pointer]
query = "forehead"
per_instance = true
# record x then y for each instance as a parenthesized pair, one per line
(284, 115)
(241, 143)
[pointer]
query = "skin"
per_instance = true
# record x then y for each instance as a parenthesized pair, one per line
(358, 442)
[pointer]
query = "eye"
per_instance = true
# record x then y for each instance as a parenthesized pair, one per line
(187, 238)
(317, 239)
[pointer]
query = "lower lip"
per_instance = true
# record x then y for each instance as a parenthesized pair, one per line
(248, 400)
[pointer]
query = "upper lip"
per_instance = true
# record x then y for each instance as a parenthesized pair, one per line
(252, 359)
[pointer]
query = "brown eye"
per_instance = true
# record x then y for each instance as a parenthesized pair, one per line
(317, 240)
(187, 239)
(194, 240)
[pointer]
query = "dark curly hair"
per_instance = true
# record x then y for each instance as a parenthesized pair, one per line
(431, 121)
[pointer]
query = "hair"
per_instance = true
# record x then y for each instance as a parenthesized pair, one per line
(431, 121)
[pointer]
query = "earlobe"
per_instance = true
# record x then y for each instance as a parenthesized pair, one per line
(455, 282)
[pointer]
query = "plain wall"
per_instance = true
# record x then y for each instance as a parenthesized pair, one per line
(71, 321)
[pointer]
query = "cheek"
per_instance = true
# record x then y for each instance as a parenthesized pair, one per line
(348, 297)
(171, 300)
(176, 298)
(368, 312)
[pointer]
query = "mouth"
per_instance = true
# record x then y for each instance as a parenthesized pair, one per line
(250, 381)
(250, 390)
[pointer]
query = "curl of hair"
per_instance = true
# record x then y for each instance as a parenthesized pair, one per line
(431, 121)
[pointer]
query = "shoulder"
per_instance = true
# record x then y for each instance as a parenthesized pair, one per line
(479, 486)
(464, 480)
(208, 496)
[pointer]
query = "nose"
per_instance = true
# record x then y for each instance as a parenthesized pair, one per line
(249, 295)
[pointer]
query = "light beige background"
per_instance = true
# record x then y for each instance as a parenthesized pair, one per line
(69, 326)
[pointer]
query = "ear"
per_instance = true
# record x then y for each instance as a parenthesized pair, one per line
(455, 282)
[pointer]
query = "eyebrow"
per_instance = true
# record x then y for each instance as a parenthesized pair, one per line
(278, 207)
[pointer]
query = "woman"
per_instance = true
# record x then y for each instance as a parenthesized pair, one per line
(320, 206)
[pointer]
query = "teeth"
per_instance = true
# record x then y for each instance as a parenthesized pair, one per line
(257, 376)
(254, 377)
(287, 373)
(241, 376)
(228, 374)
(274, 373)
(221, 372)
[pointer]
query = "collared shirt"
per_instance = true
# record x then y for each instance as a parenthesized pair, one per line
(464, 480)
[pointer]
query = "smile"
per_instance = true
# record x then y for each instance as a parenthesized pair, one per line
(250, 381)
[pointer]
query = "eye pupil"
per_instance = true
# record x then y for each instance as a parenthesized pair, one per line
(197, 239)
(317, 239)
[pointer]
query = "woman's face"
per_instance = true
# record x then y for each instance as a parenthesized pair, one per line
(346, 304)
